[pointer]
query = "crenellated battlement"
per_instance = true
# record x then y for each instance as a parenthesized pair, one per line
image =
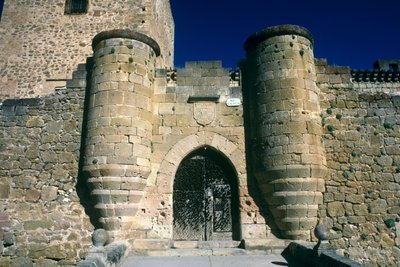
(375, 76)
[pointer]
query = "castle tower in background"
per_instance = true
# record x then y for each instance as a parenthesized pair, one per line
(48, 39)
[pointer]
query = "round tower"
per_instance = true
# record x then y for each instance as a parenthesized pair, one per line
(284, 126)
(119, 126)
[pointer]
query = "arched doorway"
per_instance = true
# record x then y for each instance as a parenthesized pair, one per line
(205, 198)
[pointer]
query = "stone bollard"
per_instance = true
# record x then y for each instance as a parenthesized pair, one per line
(97, 255)
(322, 233)
(119, 126)
(283, 115)
(102, 255)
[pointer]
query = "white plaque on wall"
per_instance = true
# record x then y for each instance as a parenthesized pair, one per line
(233, 102)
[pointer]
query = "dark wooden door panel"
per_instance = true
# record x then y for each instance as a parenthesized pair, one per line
(202, 200)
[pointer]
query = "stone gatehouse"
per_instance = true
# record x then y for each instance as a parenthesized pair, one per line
(103, 132)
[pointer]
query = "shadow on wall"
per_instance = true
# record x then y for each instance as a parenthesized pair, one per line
(82, 187)
(251, 161)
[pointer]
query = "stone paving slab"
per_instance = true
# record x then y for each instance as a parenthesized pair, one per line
(207, 261)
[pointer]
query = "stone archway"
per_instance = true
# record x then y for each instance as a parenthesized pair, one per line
(228, 150)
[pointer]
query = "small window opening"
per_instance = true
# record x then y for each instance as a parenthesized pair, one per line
(76, 6)
(393, 67)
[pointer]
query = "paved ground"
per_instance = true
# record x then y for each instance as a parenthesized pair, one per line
(207, 261)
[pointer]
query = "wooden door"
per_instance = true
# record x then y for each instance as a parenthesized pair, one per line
(202, 199)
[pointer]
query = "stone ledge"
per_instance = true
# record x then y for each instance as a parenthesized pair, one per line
(267, 33)
(128, 34)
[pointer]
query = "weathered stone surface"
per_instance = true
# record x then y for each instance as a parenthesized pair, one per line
(335, 209)
(22, 262)
(35, 122)
(32, 195)
(4, 191)
(5, 261)
(49, 193)
(46, 263)
(33, 225)
(377, 206)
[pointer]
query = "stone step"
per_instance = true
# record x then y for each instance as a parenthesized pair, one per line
(150, 244)
(206, 252)
(168, 248)
(263, 244)
(206, 244)
(198, 252)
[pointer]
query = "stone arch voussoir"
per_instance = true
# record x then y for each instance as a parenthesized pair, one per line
(189, 144)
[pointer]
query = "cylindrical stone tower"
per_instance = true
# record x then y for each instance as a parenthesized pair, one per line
(119, 126)
(283, 116)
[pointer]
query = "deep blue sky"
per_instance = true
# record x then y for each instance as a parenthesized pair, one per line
(348, 33)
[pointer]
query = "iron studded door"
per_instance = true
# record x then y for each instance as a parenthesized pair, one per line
(202, 200)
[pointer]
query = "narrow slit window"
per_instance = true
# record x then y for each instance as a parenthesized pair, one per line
(76, 6)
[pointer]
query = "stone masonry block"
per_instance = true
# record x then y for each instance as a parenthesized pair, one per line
(143, 161)
(107, 68)
(102, 78)
(276, 172)
(110, 224)
(314, 128)
(102, 196)
(297, 127)
(135, 196)
(166, 109)
(4, 191)
(298, 171)
(103, 121)
(115, 97)
(104, 149)
(133, 183)
(296, 184)
(145, 91)
(312, 159)
(335, 209)
(125, 210)
(300, 211)
(298, 149)
(223, 144)
(135, 78)
(295, 198)
(121, 121)
(123, 149)
(142, 102)
(141, 150)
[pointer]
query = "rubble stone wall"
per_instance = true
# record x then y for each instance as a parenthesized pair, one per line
(36, 37)
(362, 141)
(42, 200)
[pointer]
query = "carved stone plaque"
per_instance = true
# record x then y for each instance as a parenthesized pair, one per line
(204, 113)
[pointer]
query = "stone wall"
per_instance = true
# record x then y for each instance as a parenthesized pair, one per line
(184, 122)
(46, 214)
(42, 200)
(36, 37)
(362, 141)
